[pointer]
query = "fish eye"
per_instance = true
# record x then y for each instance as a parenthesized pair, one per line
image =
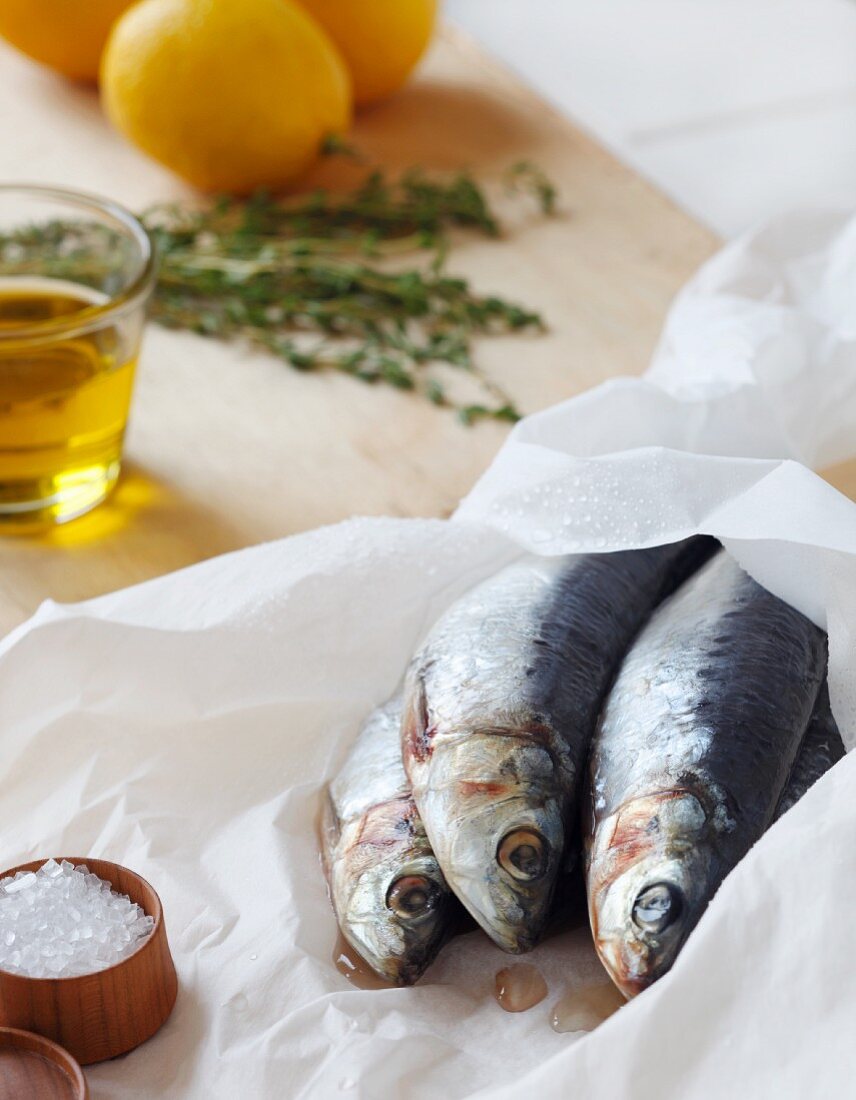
(523, 854)
(412, 897)
(657, 907)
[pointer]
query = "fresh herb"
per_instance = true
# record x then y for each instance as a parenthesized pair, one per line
(526, 177)
(274, 272)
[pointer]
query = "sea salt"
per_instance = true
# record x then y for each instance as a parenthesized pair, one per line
(63, 921)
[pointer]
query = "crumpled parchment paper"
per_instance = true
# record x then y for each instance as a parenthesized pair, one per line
(184, 727)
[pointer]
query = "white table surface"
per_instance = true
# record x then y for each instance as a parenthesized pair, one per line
(738, 109)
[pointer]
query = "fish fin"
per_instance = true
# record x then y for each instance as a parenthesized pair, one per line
(820, 748)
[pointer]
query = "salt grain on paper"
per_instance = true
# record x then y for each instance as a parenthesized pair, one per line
(62, 921)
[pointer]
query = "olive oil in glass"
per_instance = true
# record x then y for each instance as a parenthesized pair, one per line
(75, 274)
(63, 404)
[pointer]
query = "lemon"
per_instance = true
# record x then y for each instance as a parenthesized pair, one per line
(66, 36)
(381, 40)
(230, 94)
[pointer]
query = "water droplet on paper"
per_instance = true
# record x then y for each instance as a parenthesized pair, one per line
(518, 988)
(583, 1009)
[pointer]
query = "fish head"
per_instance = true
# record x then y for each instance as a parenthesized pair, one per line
(390, 896)
(494, 812)
(648, 884)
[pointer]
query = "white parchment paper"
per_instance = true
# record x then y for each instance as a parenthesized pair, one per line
(184, 727)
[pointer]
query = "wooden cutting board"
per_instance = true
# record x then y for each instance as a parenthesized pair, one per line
(229, 448)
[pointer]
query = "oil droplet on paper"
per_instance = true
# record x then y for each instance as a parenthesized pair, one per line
(518, 988)
(583, 1009)
(354, 968)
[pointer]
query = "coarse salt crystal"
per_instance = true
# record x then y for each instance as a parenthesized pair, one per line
(64, 921)
(21, 882)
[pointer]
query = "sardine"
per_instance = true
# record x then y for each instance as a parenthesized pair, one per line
(694, 747)
(820, 749)
(501, 702)
(388, 892)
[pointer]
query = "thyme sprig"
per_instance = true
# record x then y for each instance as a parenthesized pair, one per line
(273, 272)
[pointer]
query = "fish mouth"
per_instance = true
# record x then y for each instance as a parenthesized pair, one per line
(400, 973)
(400, 969)
(631, 987)
(523, 942)
(512, 915)
(409, 973)
(630, 964)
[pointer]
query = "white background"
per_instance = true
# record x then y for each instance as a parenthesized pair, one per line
(739, 109)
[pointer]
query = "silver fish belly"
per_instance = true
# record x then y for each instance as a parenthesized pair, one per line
(820, 749)
(500, 705)
(693, 750)
(388, 892)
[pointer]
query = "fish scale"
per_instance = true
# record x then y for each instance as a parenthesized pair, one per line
(694, 748)
(500, 704)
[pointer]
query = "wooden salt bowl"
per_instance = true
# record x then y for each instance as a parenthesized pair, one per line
(31, 1066)
(99, 1016)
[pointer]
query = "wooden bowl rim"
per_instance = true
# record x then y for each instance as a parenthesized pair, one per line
(148, 942)
(53, 1053)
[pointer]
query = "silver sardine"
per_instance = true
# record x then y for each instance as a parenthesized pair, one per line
(693, 751)
(388, 892)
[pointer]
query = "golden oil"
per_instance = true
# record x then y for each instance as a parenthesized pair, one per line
(64, 399)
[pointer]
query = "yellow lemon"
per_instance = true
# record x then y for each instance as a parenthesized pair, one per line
(230, 94)
(381, 40)
(66, 35)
